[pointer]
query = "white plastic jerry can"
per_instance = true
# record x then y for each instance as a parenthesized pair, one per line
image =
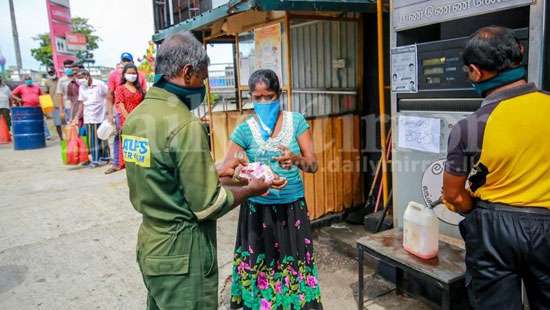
(420, 231)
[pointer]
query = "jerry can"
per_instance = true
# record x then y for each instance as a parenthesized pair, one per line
(420, 231)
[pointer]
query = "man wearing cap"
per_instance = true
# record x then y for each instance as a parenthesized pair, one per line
(502, 152)
(174, 184)
(115, 77)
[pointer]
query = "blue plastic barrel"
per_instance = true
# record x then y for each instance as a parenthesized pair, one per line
(27, 128)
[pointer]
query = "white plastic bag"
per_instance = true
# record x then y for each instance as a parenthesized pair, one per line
(105, 130)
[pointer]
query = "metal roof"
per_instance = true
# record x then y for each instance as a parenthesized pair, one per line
(238, 6)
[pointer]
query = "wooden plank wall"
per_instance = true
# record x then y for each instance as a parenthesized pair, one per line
(338, 184)
(224, 124)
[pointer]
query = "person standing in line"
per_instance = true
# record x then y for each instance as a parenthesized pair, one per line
(28, 95)
(113, 111)
(67, 91)
(91, 96)
(50, 85)
(128, 96)
(5, 102)
(502, 153)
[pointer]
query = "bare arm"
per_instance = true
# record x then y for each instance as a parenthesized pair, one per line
(256, 187)
(455, 193)
(236, 153)
(15, 98)
(78, 113)
(306, 161)
(61, 103)
(110, 99)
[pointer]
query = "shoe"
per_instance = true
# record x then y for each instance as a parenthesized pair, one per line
(86, 163)
(112, 169)
(92, 165)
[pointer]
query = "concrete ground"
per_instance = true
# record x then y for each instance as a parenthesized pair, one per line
(67, 241)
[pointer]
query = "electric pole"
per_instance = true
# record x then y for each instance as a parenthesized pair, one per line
(15, 37)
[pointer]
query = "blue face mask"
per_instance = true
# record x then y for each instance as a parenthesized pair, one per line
(28, 82)
(191, 96)
(501, 79)
(268, 114)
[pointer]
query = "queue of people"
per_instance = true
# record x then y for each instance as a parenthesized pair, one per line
(84, 102)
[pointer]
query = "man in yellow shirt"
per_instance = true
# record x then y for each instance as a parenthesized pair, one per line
(502, 152)
(50, 87)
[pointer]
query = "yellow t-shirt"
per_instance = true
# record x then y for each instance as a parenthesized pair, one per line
(504, 147)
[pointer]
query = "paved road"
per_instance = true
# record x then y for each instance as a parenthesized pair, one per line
(67, 240)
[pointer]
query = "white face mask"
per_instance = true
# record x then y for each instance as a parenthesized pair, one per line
(130, 77)
(82, 81)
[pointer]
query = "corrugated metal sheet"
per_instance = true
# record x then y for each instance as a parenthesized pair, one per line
(324, 61)
(316, 5)
(237, 6)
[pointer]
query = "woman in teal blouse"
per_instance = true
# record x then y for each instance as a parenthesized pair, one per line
(273, 266)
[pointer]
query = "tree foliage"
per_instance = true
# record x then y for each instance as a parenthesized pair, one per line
(81, 25)
(43, 53)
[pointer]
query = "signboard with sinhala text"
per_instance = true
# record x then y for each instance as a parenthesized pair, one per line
(408, 14)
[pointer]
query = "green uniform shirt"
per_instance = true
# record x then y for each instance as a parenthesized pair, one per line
(171, 174)
(174, 184)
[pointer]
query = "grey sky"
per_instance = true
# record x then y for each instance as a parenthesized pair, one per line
(123, 25)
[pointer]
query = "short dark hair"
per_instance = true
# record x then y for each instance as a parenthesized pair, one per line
(179, 50)
(493, 48)
(266, 76)
(68, 63)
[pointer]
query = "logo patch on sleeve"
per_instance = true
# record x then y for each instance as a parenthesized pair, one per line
(136, 150)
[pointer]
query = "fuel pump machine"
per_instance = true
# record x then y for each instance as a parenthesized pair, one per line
(430, 88)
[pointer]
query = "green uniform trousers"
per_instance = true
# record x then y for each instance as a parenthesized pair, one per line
(179, 266)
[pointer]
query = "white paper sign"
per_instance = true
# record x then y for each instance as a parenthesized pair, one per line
(404, 69)
(420, 133)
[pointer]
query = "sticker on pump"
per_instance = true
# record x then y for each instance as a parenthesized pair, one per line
(432, 188)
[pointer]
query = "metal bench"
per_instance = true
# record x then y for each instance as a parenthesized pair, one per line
(445, 271)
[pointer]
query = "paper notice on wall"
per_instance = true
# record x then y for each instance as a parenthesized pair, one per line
(268, 48)
(420, 133)
(404, 69)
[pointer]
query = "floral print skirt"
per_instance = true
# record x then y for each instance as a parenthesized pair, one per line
(273, 267)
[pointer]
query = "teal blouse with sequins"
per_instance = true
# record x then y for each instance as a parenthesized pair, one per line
(248, 136)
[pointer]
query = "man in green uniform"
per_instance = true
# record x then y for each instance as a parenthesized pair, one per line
(174, 183)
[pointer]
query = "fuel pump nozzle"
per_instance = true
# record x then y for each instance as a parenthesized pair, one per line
(435, 203)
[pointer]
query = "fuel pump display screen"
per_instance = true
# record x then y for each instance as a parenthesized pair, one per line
(440, 65)
(442, 69)
(434, 71)
(433, 61)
